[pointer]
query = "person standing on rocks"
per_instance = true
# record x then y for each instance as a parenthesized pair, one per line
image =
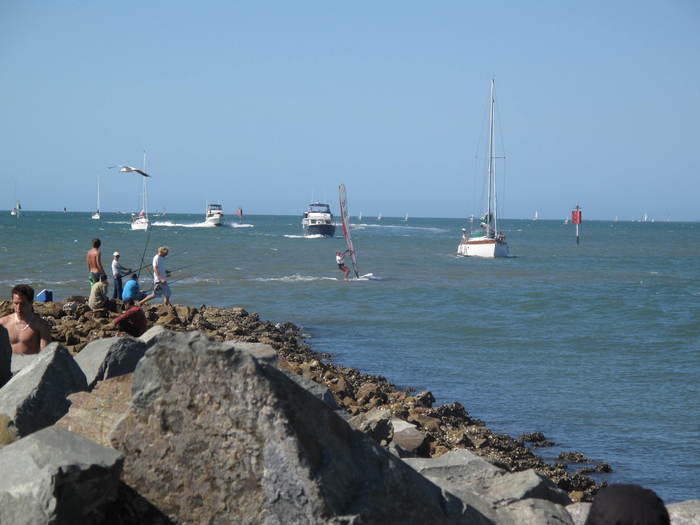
(160, 277)
(28, 332)
(94, 262)
(118, 271)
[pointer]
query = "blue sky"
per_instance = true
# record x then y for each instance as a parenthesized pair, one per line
(265, 105)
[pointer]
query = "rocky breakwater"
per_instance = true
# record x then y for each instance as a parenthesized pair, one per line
(233, 423)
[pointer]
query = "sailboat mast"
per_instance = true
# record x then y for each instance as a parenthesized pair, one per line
(145, 194)
(492, 222)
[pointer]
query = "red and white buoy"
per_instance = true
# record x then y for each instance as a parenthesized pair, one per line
(576, 219)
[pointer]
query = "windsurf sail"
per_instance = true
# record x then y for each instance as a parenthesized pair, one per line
(346, 227)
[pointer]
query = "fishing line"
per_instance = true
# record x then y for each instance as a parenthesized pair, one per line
(143, 255)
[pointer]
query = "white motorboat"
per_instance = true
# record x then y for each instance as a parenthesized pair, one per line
(318, 220)
(488, 241)
(214, 215)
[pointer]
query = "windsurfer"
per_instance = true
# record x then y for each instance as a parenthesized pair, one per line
(339, 258)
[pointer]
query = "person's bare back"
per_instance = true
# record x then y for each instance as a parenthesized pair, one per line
(94, 258)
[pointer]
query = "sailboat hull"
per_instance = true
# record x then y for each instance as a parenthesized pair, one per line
(140, 223)
(487, 248)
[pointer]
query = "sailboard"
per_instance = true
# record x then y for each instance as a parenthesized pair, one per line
(346, 227)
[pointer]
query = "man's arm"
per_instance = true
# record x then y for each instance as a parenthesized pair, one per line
(99, 261)
(44, 334)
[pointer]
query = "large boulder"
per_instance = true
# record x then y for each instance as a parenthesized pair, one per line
(376, 424)
(215, 436)
(407, 436)
(493, 492)
(110, 357)
(55, 476)
(94, 414)
(20, 361)
(36, 397)
(533, 512)
(578, 512)
(685, 512)
(5, 356)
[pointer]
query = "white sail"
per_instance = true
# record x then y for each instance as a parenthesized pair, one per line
(345, 216)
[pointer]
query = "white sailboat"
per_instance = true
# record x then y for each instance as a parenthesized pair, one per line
(97, 215)
(489, 241)
(536, 215)
(405, 219)
(140, 221)
(16, 210)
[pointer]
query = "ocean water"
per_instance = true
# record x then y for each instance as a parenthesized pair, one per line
(596, 346)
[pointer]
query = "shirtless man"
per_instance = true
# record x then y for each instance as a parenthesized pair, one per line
(28, 332)
(94, 262)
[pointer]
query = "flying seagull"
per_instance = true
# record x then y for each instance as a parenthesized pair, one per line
(130, 168)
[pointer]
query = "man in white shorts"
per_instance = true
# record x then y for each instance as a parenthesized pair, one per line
(160, 278)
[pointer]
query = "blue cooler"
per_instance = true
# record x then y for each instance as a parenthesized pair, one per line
(45, 296)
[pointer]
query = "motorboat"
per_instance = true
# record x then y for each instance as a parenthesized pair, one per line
(214, 215)
(318, 220)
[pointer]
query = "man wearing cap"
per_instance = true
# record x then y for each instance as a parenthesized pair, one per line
(118, 271)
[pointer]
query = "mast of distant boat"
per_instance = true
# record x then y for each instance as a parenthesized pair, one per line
(492, 224)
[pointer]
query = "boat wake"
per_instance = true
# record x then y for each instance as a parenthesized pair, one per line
(239, 225)
(294, 278)
(316, 236)
(363, 226)
(181, 225)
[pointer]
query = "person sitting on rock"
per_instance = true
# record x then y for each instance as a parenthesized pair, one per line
(133, 321)
(99, 300)
(28, 332)
(131, 289)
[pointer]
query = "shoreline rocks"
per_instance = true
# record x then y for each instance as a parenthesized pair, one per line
(184, 426)
(433, 431)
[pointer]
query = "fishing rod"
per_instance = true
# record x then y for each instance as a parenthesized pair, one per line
(145, 247)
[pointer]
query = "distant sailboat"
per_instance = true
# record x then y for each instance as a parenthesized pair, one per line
(239, 213)
(97, 215)
(16, 210)
(141, 221)
(405, 219)
(379, 217)
(536, 216)
(490, 241)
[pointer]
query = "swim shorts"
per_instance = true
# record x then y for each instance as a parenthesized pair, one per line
(161, 289)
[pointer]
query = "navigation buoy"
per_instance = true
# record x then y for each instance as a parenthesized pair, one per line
(576, 219)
